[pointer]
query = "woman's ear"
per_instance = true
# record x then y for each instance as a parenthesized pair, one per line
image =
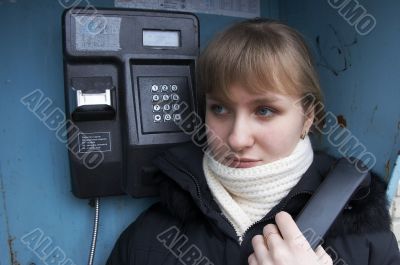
(309, 115)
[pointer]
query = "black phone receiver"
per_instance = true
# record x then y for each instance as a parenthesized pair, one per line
(330, 199)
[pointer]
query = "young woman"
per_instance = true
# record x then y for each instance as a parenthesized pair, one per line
(234, 202)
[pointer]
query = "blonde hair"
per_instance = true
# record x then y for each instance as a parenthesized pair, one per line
(262, 55)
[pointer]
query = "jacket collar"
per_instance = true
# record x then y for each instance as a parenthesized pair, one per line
(187, 158)
(183, 165)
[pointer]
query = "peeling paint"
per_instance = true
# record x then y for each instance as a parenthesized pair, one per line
(341, 121)
(13, 253)
(396, 136)
(373, 114)
(387, 169)
(341, 50)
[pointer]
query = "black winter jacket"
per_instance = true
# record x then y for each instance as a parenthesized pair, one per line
(187, 226)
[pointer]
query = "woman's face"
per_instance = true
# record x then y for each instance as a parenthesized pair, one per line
(257, 128)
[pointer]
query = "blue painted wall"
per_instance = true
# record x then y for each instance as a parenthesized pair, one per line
(365, 89)
(34, 177)
(35, 188)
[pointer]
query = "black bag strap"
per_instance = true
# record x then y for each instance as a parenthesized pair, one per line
(330, 199)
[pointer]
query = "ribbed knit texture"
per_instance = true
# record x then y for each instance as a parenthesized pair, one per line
(245, 195)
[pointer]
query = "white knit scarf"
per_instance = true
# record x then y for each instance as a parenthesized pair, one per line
(245, 195)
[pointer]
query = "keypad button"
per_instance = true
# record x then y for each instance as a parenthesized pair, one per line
(164, 88)
(177, 117)
(167, 117)
(154, 88)
(167, 107)
(175, 97)
(156, 97)
(156, 107)
(157, 118)
(174, 87)
(165, 97)
(175, 107)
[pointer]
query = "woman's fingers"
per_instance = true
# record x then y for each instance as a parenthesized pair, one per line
(290, 231)
(252, 260)
(285, 244)
(320, 251)
(272, 236)
(259, 247)
(323, 257)
(287, 226)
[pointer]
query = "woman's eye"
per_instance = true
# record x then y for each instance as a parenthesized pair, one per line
(264, 111)
(218, 109)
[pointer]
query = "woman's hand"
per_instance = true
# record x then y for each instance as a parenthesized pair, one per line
(284, 244)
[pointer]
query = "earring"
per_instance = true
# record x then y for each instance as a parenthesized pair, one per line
(303, 135)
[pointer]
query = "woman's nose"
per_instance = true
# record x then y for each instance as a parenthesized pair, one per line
(241, 135)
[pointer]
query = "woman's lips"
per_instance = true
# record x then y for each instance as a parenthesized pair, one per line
(243, 162)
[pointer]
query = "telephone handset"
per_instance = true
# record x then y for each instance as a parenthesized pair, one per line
(330, 199)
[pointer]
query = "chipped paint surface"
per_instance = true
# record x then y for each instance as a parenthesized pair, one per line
(341, 121)
(10, 239)
(373, 114)
(387, 170)
(334, 51)
(396, 136)
(13, 253)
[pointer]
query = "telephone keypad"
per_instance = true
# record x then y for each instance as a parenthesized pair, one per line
(164, 101)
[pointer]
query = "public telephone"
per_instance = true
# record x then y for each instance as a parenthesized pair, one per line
(129, 86)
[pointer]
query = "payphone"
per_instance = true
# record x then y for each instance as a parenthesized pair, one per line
(129, 86)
